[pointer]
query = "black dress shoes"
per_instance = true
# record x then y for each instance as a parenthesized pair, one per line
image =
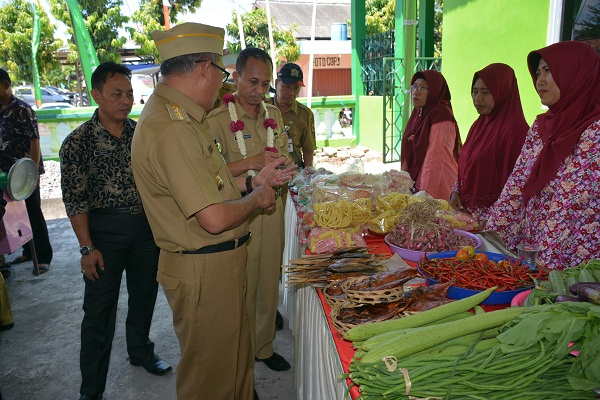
(91, 397)
(153, 365)
(275, 362)
(278, 321)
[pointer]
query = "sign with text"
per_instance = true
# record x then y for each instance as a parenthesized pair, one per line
(331, 61)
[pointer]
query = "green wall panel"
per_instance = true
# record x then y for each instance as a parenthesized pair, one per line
(371, 122)
(480, 32)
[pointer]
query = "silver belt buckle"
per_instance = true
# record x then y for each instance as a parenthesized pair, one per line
(136, 209)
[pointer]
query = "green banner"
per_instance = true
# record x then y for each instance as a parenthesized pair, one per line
(35, 42)
(85, 47)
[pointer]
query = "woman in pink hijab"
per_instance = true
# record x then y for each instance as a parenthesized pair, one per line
(494, 141)
(552, 197)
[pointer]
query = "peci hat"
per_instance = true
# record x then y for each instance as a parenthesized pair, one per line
(291, 74)
(189, 38)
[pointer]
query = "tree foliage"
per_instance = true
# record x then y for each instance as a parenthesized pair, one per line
(590, 27)
(150, 17)
(103, 19)
(256, 32)
(178, 7)
(16, 27)
(380, 16)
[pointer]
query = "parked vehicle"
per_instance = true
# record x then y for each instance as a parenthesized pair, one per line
(55, 106)
(64, 92)
(26, 94)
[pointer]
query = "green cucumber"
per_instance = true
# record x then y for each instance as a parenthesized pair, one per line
(365, 331)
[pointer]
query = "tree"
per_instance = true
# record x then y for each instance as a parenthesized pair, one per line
(103, 19)
(150, 17)
(16, 27)
(380, 16)
(590, 27)
(256, 32)
(155, 8)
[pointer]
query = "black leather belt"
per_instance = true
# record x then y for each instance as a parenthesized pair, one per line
(225, 246)
(119, 210)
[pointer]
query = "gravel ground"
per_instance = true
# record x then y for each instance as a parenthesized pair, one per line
(372, 162)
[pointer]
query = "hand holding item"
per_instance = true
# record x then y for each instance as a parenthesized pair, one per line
(90, 262)
(265, 158)
(456, 202)
(280, 176)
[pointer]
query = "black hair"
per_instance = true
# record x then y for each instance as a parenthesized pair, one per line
(106, 70)
(253, 52)
(4, 76)
(184, 64)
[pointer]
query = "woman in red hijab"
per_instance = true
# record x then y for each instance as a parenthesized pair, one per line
(552, 197)
(431, 142)
(494, 141)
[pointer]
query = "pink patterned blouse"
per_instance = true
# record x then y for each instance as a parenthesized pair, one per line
(564, 217)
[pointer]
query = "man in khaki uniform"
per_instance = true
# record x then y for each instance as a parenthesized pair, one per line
(252, 152)
(198, 216)
(298, 119)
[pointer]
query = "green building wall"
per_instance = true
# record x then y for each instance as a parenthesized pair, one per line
(477, 33)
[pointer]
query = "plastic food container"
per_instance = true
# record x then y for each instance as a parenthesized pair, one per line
(454, 292)
(413, 255)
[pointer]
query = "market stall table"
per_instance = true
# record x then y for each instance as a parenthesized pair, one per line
(321, 354)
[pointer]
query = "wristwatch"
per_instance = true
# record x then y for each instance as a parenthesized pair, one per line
(85, 250)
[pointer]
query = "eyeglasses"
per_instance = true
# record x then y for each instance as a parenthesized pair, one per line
(224, 72)
(421, 89)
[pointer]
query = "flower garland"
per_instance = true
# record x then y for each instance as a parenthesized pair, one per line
(237, 126)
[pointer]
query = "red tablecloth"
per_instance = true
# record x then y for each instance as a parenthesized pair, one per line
(344, 348)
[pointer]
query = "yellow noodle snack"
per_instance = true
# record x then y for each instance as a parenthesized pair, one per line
(361, 211)
(333, 214)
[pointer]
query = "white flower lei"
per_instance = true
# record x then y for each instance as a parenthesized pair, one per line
(239, 136)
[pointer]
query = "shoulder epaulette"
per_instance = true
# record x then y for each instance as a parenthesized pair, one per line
(177, 112)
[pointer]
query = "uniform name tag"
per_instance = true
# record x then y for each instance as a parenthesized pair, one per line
(246, 136)
(98, 153)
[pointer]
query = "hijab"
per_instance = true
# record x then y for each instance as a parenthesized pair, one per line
(415, 140)
(494, 141)
(575, 69)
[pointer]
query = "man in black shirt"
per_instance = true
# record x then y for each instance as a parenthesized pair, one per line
(106, 213)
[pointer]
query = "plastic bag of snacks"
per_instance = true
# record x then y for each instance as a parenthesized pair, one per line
(328, 240)
(394, 201)
(456, 220)
(342, 213)
(384, 222)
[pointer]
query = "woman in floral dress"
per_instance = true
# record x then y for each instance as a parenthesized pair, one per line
(494, 141)
(552, 197)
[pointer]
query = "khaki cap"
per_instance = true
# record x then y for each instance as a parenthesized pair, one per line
(189, 38)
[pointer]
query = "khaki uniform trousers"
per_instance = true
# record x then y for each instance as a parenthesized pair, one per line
(265, 252)
(206, 295)
(6, 317)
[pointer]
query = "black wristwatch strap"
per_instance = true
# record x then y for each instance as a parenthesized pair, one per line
(249, 184)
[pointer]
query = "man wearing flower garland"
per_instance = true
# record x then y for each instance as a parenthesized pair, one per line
(298, 119)
(198, 216)
(251, 135)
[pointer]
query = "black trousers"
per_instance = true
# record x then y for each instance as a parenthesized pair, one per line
(126, 244)
(41, 241)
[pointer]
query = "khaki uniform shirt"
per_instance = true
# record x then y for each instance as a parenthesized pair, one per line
(255, 134)
(179, 171)
(299, 122)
